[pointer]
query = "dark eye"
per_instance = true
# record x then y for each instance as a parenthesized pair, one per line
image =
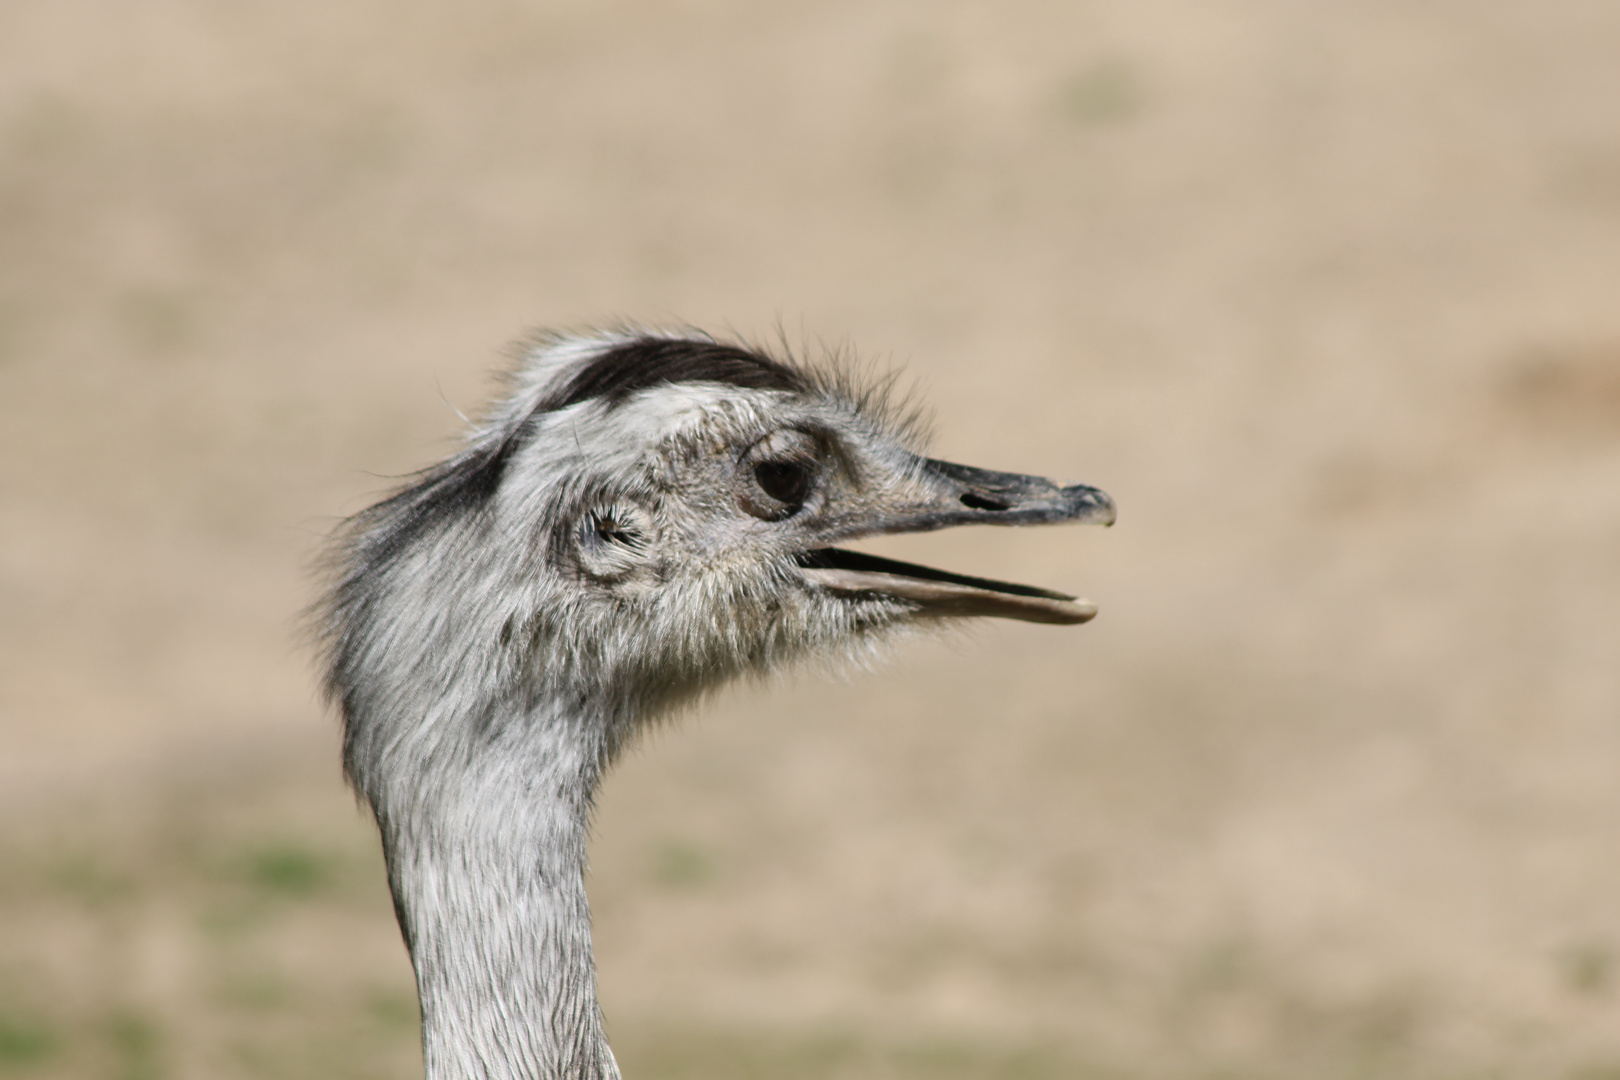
(780, 473)
(785, 481)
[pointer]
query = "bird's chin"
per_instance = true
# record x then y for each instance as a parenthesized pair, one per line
(937, 593)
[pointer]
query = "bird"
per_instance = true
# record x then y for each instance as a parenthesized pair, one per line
(642, 516)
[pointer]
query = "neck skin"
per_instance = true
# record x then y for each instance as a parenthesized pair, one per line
(486, 860)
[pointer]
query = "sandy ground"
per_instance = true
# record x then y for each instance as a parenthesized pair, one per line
(1325, 295)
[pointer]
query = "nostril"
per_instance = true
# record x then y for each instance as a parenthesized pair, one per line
(983, 502)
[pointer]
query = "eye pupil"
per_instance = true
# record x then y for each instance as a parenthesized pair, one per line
(785, 481)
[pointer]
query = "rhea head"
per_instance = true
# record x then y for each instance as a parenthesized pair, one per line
(642, 517)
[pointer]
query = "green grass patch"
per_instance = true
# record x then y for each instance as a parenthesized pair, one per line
(289, 870)
(26, 1041)
(679, 865)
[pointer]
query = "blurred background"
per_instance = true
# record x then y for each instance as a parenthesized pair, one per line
(1327, 296)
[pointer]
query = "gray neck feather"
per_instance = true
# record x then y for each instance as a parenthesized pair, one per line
(487, 863)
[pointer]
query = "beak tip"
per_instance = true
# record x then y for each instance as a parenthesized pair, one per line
(1092, 505)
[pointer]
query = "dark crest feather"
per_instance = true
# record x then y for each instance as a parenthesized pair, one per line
(656, 361)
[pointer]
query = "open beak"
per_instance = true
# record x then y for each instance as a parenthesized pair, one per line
(944, 495)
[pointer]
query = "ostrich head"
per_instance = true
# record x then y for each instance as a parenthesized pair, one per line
(642, 518)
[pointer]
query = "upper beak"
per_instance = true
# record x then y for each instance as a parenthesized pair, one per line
(966, 496)
(946, 494)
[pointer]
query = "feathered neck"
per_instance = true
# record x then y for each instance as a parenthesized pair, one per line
(486, 862)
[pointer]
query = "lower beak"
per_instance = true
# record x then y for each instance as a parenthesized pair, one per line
(937, 592)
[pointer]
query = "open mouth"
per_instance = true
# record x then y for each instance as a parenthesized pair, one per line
(937, 591)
